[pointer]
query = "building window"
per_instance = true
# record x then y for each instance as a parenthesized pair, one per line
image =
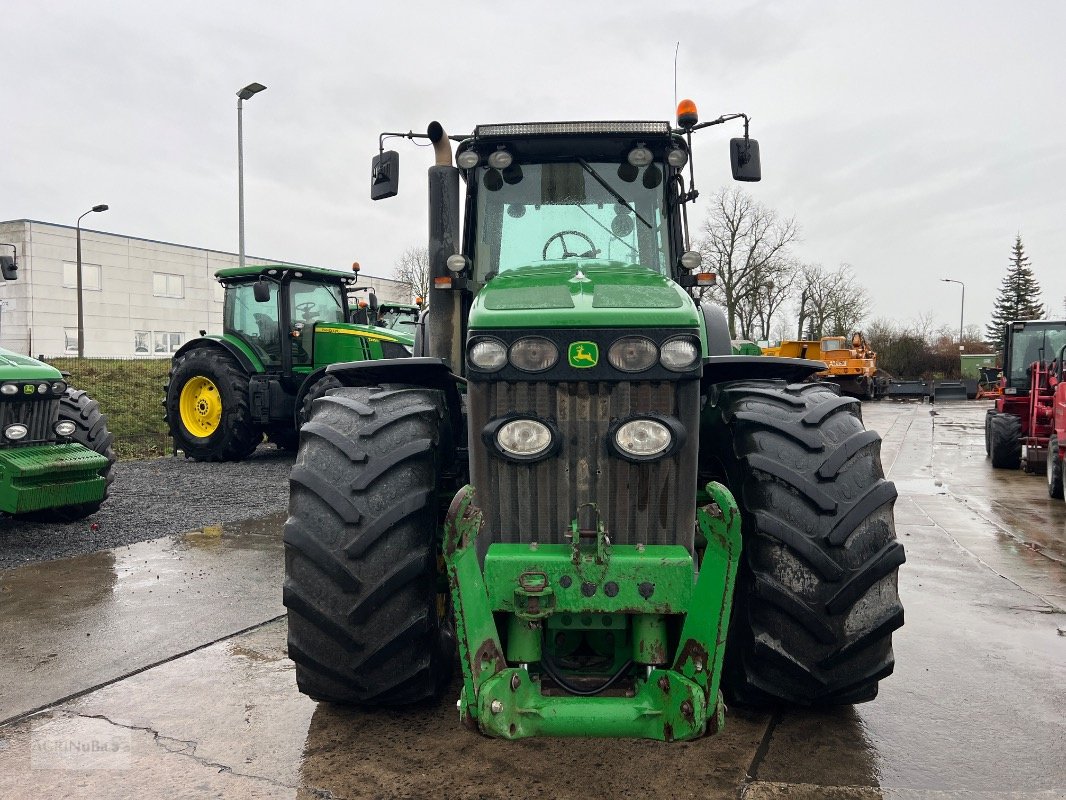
(167, 341)
(166, 285)
(70, 339)
(141, 342)
(90, 276)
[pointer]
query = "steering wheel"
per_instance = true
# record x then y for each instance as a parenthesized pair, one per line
(590, 253)
(306, 309)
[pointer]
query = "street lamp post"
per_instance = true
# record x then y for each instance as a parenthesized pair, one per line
(962, 305)
(81, 309)
(244, 94)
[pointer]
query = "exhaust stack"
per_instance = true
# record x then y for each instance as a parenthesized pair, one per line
(443, 332)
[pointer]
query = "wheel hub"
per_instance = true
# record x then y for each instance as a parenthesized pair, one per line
(200, 406)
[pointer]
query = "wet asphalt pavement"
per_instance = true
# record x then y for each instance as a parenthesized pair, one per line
(164, 672)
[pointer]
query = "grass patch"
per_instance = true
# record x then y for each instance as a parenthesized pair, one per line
(130, 392)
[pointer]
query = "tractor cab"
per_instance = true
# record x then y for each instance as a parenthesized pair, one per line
(1026, 343)
(274, 311)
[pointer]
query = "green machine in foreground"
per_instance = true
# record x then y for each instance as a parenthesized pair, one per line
(574, 482)
(282, 326)
(55, 448)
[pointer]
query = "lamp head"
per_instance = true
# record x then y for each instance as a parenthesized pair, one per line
(101, 207)
(249, 90)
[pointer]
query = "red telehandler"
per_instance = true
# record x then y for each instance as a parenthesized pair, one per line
(1028, 422)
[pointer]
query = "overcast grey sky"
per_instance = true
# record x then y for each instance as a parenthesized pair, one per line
(912, 140)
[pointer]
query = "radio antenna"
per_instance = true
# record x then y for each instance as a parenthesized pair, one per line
(676, 48)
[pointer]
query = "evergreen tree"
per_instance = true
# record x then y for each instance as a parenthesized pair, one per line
(1019, 295)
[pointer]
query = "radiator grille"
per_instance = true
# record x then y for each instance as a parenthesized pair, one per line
(649, 503)
(39, 416)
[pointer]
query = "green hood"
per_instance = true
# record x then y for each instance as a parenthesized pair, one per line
(582, 294)
(15, 367)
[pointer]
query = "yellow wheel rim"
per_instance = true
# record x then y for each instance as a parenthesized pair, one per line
(200, 406)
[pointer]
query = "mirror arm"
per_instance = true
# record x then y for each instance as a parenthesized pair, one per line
(410, 135)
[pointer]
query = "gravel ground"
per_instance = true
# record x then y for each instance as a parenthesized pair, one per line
(153, 498)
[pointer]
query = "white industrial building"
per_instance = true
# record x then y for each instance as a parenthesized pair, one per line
(140, 297)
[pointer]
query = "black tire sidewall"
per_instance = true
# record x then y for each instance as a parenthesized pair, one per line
(236, 435)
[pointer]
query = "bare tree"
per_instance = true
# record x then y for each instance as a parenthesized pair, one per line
(412, 269)
(831, 303)
(745, 244)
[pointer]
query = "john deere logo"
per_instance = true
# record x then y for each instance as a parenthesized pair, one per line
(583, 354)
(28, 388)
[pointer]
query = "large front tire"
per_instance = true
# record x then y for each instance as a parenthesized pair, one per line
(1005, 434)
(816, 599)
(207, 405)
(90, 431)
(367, 624)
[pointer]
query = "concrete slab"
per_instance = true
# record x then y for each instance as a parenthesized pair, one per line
(975, 709)
(78, 623)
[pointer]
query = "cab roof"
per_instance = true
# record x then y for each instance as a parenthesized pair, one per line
(281, 271)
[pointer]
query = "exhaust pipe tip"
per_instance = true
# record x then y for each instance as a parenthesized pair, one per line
(442, 146)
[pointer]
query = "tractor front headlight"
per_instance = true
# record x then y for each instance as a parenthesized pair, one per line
(679, 354)
(16, 432)
(633, 354)
(65, 427)
(646, 438)
(523, 439)
(58, 387)
(9, 388)
(534, 354)
(487, 354)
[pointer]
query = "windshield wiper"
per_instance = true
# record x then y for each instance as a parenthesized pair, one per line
(614, 193)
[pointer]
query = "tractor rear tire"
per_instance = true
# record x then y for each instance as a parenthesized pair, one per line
(1054, 469)
(216, 424)
(1005, 441)
(367, 619)
(816, 599)
(91, 432)
(315, 391)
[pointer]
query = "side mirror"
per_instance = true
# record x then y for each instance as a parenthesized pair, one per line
(9, 268)
(744, 159)
(372, 301)
(261, 291)
(385, 175)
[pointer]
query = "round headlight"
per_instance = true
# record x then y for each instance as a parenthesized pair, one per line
(679, 354)
(468, 159)
(632, 353)
(500, 159)
(16, 431)
(456, 262)
(691, 260)
(58, 387)
(487, 354)
(534, 354)
(9, 388)
(640, 156)
(677, 157)
(642, 438)
(42, 388)
(65, 427)
(524, 438)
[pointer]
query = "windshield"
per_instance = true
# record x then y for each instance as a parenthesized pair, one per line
(833, 344)
(398, 319)
(1035, 342)
(534, 213)
(315, 302)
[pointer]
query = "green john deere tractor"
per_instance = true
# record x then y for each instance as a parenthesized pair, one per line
(55, 448)
(574, 479)
(281, 327)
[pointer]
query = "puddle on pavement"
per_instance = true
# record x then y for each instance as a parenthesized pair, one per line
(77, 622)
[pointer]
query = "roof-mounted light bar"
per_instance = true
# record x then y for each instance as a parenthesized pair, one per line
(550, 128)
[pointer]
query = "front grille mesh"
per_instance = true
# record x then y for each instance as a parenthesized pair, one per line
(39, 416)
(649, 503)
